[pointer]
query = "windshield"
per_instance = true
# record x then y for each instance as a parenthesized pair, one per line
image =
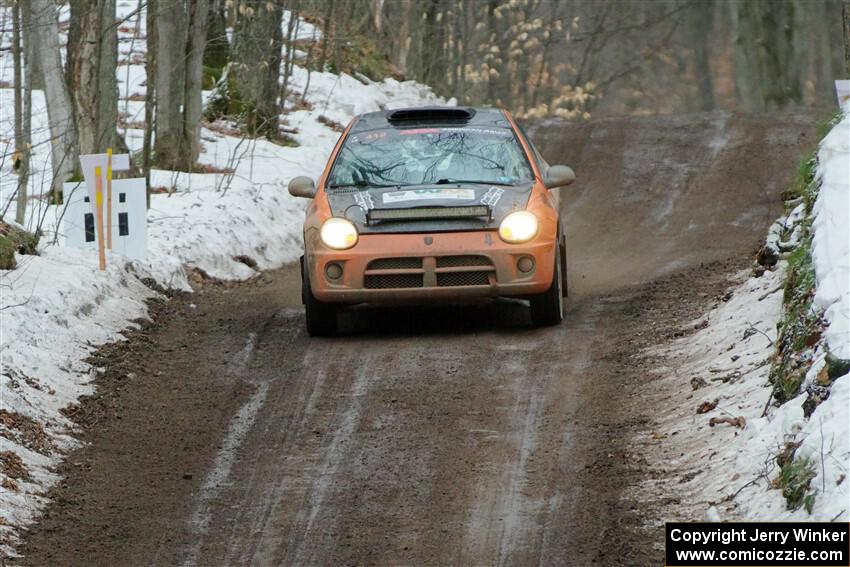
(420, 156)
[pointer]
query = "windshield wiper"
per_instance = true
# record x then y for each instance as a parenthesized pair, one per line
(361, 184)
(447, 180)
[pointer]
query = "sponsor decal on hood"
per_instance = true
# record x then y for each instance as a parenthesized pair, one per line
(428, 195)
(356, 205)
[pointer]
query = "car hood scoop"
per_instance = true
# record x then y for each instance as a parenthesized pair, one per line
(430, 208)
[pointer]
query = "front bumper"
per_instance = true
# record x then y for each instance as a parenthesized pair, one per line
(422, 267)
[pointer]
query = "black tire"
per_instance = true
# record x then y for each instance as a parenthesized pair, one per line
(564, 268)
(547, 309)
(320, 317)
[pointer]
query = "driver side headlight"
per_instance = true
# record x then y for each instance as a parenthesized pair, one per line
(338, 233)
(518, 227)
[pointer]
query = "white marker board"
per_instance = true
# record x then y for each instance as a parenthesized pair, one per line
(129, 217)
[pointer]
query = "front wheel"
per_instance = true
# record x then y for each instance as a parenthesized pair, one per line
(320, 317)
(548, 308)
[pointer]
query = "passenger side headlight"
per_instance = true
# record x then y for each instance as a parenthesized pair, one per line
(338, 233)
(518, 227)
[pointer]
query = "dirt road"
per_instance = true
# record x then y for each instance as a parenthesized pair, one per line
(222, 435)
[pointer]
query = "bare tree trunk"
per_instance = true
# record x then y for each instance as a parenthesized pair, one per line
(217, 50)
(491, 20)
(378, 16)
(26, 127)
(306, 86)
(190, 148)
(327, 33)
(455, 38)
(17, 79)
(466, 12)
(432, 56)
(768, 55)
(341, 22)
(180, 38)
(404, 35)
(150, 92)
(821, 51)
(23, 107)
(541, 71)
(131, 53)
(846, 16)
(171, 39)
(92, 63)
(746, 84)
(292, 27)
(701, 20)
(257, 47)
(60, 114)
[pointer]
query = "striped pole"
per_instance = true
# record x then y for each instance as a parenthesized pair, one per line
(98, 201)
(109, 198)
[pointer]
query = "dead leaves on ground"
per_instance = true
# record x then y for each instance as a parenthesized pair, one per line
(740, 422)
(25, 431)
(12, 466)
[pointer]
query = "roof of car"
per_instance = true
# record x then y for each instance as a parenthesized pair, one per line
(430, 116)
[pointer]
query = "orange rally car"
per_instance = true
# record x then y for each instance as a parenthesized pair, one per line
(435, 204)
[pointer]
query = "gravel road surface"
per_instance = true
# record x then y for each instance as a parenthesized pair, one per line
(222, 435)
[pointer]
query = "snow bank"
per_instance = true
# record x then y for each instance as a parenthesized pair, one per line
(725, 363)
(57, 307)
(831, 242)
(725, 471)
(721, 463)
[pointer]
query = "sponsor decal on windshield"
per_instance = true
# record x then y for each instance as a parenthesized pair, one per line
(419, 131)
(465, 130)
(492, 196)
(364, 200)
(428, 195)
(490, 131)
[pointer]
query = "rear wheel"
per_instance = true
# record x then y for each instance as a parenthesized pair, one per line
(320, 317)
(548, 308)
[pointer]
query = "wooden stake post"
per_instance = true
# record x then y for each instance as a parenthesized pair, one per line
(98, 205)
(109, 198)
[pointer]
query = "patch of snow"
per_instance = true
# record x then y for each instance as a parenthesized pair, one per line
(305, 30)
(55, 308)
(831, 241)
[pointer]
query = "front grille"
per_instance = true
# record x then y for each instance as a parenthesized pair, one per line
(394, 263)
(451, 271)
(457, 261)
(391, 281)
(455, 279)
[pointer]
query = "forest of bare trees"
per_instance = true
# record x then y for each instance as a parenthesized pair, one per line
(608, 56)
(569, 58)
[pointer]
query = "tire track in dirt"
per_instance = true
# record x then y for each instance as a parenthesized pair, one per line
(336, 452)
(223, 462)
(375, 471)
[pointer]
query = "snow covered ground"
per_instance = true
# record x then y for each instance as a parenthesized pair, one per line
(57, 307)
(717, 452)
(831, 243)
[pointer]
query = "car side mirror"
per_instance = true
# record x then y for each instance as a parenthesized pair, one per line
(302, 186)
(559, 176)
